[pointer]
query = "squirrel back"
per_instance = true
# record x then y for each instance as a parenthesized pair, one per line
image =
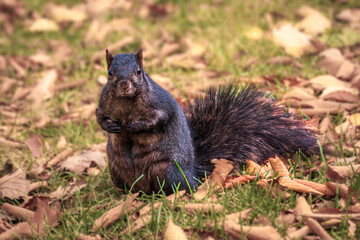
(153, 145)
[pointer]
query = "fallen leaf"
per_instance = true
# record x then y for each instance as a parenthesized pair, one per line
(346, 70)
(43, 25)
(115, 213)
(238, 217)
(64, 193)
(355, 119)
(222, 168)
(51, 163)
(203, 207)
(351, 229)
(9, 143)
(317, 228)
(14, 185)
(80, 162)
(81, 236)
(311, 16)
(168, 48)
(174, 232)
(114, 47)
(322, 188)
(19, 212)
(7, 84)
(253, 232)
(297, 187)
(349, 15)
(344, 191)
(61, 13)
(102, 80)
(254, 33)
(61, 142)
(340, 216)
(295, 43)
(299, 234)
(230, 182)
(339, 95)
(45, 87)
(139, 223)
(285, 60)
(301, 208)
(34, 143)
(330, 60)
(278, 167)
(342, 172)
(43, 218)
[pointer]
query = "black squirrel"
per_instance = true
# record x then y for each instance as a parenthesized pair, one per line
(153, 145)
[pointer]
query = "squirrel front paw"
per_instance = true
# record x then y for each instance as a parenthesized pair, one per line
(133, 127)
(112, 127)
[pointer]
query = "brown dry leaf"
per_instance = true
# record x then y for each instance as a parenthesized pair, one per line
(295, 42)
(61, 142)
(297, 187)
(337, 216)
(317, 228)
(285, 218)
(174, 232)
(344, 191)
(285, 60)
(7, 84)
(299, 234)
(42, 58)
(313, 22)
(9, 143)
(301, 94)
(316, 186)
(279, 168)
(61, 13)
(253, 232)
(263, 171)
(93, 171)
(331, 60)
(98, 8)
(114, 47)
(301, 208)
(20, 93)
(355, 119)
(14, 185)
(115, 213)
(351, 16)
(351, 229)
(138, 224)
(185, 61)
(51, 163)
(19, 212)
(64, 193)
(346, 70)
(43, 25)
(34, 143)
(254, 33)
(339, 96)
(339, 173)
(168, 49)
(35, 185)
(81, 236)
(238, 215)
(17, 66)
(237, 180)
(203, 207)
(45, 87)
(222, 168)
(36, 227)
(99, 31)
(80, 162)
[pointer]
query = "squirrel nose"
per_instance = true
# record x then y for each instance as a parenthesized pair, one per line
(124, 85)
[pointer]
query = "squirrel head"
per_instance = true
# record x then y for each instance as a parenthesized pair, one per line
(125, 74)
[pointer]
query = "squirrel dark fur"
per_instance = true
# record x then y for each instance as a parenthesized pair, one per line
(149, 134)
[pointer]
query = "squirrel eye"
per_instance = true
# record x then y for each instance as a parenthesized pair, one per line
(139, 70)
(110, 72)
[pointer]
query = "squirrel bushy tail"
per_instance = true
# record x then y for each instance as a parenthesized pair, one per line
(239, 124)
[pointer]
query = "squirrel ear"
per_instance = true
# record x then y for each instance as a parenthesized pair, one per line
(109, 58)
(139, 57)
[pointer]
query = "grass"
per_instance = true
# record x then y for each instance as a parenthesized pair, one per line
(219, 26)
